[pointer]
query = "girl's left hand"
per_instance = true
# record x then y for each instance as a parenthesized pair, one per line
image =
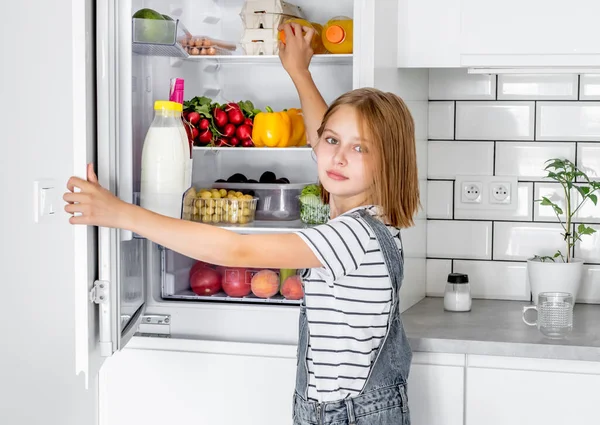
(97, 206)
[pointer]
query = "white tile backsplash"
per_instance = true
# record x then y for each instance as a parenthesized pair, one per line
(576, 121)
(523, 212)
(441, 120)
(421, 148)
(555, 193)
(437, 276)
(459, 239)
(501, 280)
(589, 87)
(457, 84)
(527, 159)
(588, 159)
(439, 199)
(537, 86)
(589, 291)
(495, 120)
(520, 241)
(478, 127)
(589, 246)
(446, 160)
(419, 110)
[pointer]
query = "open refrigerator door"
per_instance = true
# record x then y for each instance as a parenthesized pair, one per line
(119, 290)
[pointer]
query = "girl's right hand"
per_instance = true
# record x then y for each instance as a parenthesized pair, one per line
(296, 53)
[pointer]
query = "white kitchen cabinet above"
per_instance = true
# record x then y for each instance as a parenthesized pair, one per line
(489, 34)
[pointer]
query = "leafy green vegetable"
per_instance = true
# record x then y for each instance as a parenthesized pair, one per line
(312, 189)
(248, 108)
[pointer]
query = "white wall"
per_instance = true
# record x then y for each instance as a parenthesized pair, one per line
(37, 359)
(507, 125)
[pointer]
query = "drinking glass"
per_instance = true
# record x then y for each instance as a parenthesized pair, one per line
(554, 314)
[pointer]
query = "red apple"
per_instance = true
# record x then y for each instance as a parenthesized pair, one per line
(199, 265)
(205, 281)
(236, 281)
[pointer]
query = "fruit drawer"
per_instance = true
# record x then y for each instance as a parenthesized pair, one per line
(189, 280)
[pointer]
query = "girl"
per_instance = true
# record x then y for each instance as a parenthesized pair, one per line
(353, 355)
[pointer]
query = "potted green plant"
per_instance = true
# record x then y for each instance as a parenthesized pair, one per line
(562, 272)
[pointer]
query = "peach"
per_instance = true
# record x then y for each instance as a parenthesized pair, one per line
(265, 284)
(292, 288)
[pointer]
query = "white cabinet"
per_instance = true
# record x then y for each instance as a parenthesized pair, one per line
(436, 389)
(198, 383)
(530, 33)
(516, 391)
(486, 33)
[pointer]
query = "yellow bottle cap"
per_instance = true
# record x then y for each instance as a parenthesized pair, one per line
(168, 106)
(335, 34)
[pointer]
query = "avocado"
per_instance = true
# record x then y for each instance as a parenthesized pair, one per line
(251, 181)
(268, 177)
(282, 180)
(221, 181)
(148, 14)
(237, 178)
(167, 17)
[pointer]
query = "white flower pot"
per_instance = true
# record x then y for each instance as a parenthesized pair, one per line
(554, 277)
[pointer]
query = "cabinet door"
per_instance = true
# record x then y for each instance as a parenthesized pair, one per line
(529, 33)
(154, 387)
(428, 34)
(501, 397)
(436, 394)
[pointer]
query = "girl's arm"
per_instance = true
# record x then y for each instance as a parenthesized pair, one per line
(295, 56)
(211, 244)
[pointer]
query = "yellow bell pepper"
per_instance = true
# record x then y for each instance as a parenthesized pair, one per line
(271, 128)
(298, 132)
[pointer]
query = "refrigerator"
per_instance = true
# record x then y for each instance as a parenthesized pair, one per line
(136, 287)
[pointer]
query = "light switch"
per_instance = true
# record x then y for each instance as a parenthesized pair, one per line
(45, 202)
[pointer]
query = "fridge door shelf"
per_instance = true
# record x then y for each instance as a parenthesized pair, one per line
(159, 38)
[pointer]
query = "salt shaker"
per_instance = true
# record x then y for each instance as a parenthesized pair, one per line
(457, 295)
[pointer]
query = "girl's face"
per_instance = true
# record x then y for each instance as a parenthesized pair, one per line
(342, 156)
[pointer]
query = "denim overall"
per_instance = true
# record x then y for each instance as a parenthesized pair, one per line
(383, 400)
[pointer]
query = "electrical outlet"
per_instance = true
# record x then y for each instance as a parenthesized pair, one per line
(500, 192)
(471, 192)
(483, 193)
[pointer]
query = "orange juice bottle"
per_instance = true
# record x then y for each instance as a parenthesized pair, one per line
(338, 35)
(320, 48)
(314, 44)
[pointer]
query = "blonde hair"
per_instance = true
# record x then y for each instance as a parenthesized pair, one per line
(389, 128)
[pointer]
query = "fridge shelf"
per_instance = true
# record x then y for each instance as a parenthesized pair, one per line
(344, 59)
(260, 226)
(159, 38)
(189, 295)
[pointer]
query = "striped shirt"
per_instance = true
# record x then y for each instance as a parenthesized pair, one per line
(347, 305)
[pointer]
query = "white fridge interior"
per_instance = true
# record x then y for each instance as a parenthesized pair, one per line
(154, 291)
(157, 275)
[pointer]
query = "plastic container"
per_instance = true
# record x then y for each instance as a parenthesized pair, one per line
(316, 42)
(313, 211)
(338, 35)
(276, 202)
(225, 211)
(261, 14)
(257, 42)
(158, 38)
(202, 45)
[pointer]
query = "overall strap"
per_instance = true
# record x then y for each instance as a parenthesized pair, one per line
(394, 259)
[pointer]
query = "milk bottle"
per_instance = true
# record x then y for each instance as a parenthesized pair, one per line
(164, 162)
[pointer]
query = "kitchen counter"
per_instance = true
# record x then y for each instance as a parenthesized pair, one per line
(496, 328)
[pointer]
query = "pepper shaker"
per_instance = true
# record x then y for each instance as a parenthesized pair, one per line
(457, 295)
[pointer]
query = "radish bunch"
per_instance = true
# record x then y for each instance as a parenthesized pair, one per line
(212, 124)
